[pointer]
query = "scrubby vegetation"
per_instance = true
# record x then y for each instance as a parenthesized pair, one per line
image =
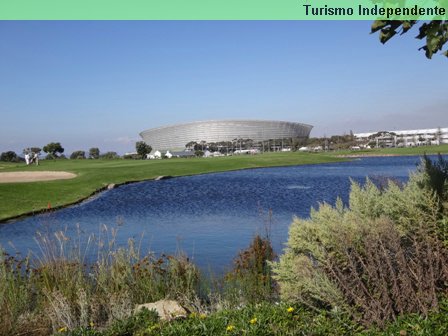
(61, 290)
(378, 265)
(382, 256)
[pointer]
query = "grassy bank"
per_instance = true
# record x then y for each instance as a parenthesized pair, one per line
(443, 149)
(21, 198)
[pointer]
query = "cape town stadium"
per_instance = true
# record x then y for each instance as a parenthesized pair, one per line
(175, 137)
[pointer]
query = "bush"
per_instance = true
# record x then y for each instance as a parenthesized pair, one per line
(380, 258)
(110, 156)
(55, 157)
(59, 291)
(435, 177)
(9, 156)
(94, 153)
(250, 280)
(78, 155)
(132, 157)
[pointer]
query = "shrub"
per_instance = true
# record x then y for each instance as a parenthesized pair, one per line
(132, 157)
(59, 291)
(110, 156)
(435, 176)
(94, 153)
(250, 280)
(78, 155)
(380, 258)
(9, 156)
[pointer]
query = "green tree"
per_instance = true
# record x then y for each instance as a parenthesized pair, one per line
(9, 156)
(142, 149)
(54, 149)
(191, 145)
(435, 32)
(94, 153)
(36, 150)
(110, 156)
(80, 154)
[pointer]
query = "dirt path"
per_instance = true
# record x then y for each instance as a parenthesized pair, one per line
(14, 177)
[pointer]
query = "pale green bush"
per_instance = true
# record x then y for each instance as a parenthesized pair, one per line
(379, 258)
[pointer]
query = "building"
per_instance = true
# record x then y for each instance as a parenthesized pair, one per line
(404, 138)
(176, 137)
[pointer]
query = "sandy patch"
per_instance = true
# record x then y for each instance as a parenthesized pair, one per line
(13, 177)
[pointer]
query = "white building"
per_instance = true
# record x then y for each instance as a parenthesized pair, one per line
(405, 138)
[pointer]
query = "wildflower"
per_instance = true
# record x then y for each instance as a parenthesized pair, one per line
(253, 321)
(91, 324)
(63, 329)
(202, 316)
(230, 328)
(193, 315)
(290, 309)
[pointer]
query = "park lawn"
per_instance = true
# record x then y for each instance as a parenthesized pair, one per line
(26, 198)
(442, 149)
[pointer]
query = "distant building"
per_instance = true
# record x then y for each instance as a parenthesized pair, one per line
(404, 138)
(175, 137)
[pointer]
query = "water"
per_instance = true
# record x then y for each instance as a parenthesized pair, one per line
(210, 217)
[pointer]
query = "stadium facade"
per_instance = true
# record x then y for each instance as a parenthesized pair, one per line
(175, 137)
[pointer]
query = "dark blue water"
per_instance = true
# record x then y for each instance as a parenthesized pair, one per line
(210, 217)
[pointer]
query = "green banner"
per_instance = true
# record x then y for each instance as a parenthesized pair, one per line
(223, 10)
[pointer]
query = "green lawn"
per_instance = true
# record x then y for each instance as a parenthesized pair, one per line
(443, 149)
(22, 198)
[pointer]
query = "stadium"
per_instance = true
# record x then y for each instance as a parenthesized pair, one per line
(175, 137)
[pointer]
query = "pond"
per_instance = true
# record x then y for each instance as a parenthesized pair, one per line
(209, 217)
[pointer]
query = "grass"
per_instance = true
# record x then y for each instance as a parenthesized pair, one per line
(443, 149)
(23, 198)
(258, 320)
(266, 319)
(26, 198)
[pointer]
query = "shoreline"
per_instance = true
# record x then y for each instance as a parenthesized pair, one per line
(111, 186)
(11, 219)
(355, 156)
(342, 157)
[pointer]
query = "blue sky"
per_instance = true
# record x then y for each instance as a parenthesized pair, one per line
(99, 83)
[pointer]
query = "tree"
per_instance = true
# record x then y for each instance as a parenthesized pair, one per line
(53, 149)
(9, 156)
(35, 150)
(94, 153)
(110, 156)
(190, 145)
(80, 154)
(435, 32)
(142, 149)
